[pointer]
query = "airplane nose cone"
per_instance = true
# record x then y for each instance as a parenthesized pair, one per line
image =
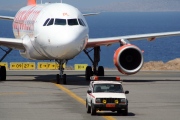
(68, 43)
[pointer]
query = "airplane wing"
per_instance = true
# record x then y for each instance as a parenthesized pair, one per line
(12, 43)
(90, 14)
(6, 18)
(125, 39)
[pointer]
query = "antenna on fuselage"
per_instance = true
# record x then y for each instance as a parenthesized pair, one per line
(41, 1)
(61, 1)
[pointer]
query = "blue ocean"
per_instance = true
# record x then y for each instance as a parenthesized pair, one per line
(109, 24)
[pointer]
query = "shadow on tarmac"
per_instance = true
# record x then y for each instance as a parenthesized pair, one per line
(113, 114)
(71, 79)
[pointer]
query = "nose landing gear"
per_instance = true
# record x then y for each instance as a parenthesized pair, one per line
(61, 77)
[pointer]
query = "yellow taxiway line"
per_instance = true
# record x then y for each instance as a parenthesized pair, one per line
(73, 95)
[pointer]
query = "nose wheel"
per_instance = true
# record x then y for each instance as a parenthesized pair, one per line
(61, 77)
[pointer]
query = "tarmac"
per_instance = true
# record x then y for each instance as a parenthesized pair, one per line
(34, 95)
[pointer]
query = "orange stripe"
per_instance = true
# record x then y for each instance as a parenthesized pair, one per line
(91, 95)
(31, 2)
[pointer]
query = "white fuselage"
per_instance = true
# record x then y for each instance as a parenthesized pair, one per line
(51, 31)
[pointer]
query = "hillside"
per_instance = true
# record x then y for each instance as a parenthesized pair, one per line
(159, 65)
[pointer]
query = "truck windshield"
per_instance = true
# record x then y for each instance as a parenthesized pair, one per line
(115, 88)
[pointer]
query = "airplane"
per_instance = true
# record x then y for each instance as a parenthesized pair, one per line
(59, 31)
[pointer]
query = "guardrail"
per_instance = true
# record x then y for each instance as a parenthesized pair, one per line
(38, 66)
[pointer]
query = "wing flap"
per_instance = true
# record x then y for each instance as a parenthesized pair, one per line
(12, 43)
(151, 36)
(125, 39)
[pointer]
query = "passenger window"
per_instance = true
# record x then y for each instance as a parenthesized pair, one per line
(60, 22)
(81, 22)
(46, 22)
(51, 22)
(72, 22)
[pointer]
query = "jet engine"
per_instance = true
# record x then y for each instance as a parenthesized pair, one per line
(128, 59)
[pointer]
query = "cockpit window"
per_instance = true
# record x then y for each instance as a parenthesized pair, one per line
(81, 22)
(72, 22)
(60, 22)
(51, 22)
(46, 22)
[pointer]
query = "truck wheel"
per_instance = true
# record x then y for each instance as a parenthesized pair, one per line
(125, 112)
(119, 112)
(88, 108)
(93, 110)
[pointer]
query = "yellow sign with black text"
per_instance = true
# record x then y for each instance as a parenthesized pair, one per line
(48, 66)
(29, 66)
(80, 66)
(4, 64)
(16, 66)
(22, 66)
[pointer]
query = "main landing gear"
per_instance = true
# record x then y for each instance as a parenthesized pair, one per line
(61, 77)
(89, 71)
(3, 68)
(2, 73)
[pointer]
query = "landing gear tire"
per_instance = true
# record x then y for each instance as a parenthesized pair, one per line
(61, 79)
(88, 72)
(57, 79)
(3, 73)
(100, 71)
(64, 79)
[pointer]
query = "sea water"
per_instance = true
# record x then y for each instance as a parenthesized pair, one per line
(110, 24)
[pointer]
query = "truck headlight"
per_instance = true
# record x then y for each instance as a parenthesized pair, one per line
(116, 101)
(104, 101)
(123, 100)
(98, 100)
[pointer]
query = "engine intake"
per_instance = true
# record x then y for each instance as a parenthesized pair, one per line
(128, 59)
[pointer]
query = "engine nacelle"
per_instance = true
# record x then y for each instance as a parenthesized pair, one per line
(128, 59)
